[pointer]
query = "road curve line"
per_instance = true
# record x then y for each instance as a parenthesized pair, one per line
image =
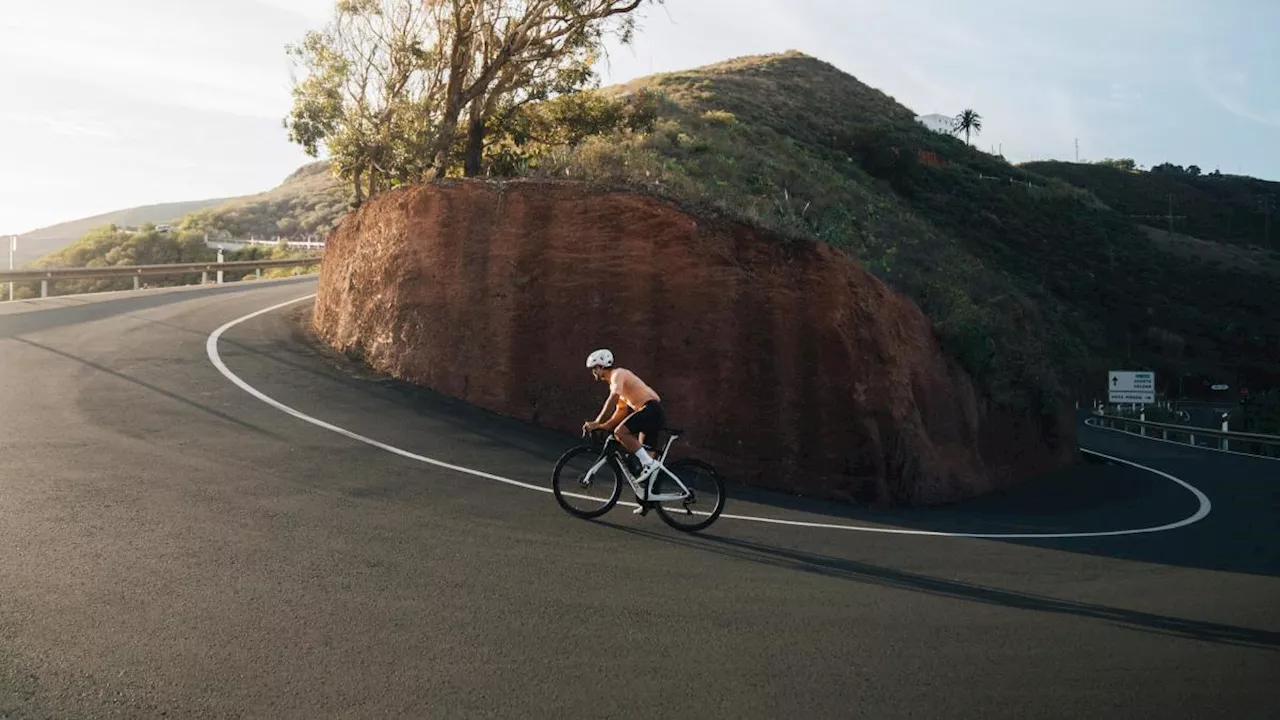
(211, 347)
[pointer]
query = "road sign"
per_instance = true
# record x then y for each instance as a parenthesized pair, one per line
(1219, 386)
(1130, 386)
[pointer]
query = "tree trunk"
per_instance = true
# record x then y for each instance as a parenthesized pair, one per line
(475, 147)
(444, 143)
(461, 60)
(358, 187)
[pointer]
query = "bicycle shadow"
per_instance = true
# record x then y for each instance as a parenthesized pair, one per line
(854, 571)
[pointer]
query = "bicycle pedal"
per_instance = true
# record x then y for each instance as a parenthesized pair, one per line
(642, 510)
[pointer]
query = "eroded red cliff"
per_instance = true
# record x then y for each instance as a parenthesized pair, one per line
(791, 367)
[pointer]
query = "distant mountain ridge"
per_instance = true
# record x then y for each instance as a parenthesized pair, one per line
(37, 243)
(306, 202)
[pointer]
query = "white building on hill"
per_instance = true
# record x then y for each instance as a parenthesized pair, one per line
(935, 122)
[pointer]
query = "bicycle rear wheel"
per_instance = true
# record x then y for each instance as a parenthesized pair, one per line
(585, 482)
(699, 510)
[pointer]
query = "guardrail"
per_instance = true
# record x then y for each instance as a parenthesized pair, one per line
(1226, 440)
(46, 275)
(314, 244)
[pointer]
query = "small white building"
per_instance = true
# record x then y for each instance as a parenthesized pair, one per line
(936, 122)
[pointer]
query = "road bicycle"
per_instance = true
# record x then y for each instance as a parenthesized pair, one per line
(688, 494)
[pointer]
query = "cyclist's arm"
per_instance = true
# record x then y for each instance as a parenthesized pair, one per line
(620, 413)
(614, 399)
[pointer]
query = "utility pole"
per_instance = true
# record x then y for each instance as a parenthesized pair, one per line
(13, 245)
(1077, 149)
(1267, 205)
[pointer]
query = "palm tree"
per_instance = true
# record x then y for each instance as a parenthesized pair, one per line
(967, 121)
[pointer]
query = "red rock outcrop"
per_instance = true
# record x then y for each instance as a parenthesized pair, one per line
(789, 365)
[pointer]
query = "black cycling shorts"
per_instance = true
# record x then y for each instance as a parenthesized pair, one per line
(648, 420)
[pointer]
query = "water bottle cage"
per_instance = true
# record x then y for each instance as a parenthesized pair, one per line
(633, 465)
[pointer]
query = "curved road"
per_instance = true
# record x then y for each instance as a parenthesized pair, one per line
(171, 545)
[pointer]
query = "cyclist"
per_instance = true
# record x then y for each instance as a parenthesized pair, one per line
(637, 409)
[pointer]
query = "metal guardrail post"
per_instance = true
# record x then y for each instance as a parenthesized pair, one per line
(258, 272)
(220, 272)
(1256, 444)
(48, 275)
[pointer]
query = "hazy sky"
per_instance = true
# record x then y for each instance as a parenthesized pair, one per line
(107, 104)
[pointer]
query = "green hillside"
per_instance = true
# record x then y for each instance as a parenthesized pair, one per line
(1035, 285)
(1223, 208)
(308, 202)
(50, 239)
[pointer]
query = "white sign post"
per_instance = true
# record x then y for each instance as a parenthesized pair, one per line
(1128, 386)
(13, 247)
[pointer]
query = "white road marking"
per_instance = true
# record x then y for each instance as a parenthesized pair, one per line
(211, 347)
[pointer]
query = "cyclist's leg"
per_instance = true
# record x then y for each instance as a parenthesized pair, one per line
(645, 421)
(643, 424)
(655, 418)
(638, 425)
(644, 441)
(629, 438)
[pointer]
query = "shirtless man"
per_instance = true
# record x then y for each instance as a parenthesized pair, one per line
(637, 409)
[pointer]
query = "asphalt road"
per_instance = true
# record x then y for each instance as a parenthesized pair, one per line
(170, 545)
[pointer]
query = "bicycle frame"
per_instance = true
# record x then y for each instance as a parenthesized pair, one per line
(609, 449)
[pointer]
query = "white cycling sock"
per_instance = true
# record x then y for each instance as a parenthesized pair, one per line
(643, 456)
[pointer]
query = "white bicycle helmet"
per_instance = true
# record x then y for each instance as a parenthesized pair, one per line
(600, 358)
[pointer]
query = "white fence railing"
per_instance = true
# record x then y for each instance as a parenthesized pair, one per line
(137, 272)
(235, 244)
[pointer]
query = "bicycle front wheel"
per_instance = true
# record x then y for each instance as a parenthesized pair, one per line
(585, 482)
(702, 507)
